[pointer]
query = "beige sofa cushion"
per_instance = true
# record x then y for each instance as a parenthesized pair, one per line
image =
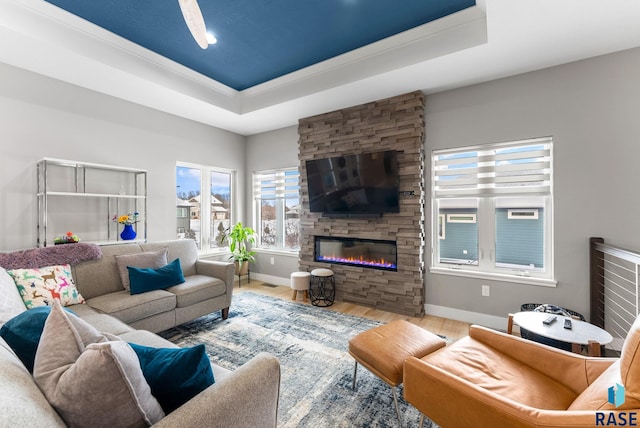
(102, 322)
(89, 379)
(133, 307)
(196, 289)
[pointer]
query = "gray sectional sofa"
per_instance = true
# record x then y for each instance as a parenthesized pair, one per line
(109, 308)
(208, 287)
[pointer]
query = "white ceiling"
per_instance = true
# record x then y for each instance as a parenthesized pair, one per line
(495, 39)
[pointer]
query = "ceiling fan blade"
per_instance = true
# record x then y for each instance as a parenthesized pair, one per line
(193, 17)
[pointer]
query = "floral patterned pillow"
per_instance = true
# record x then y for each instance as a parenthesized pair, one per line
(39, 287)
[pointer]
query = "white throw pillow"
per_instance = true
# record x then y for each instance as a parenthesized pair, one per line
(11, 303)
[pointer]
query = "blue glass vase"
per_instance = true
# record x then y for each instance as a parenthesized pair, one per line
(128, 233)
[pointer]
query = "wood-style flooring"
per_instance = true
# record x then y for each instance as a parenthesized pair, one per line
(446, 327)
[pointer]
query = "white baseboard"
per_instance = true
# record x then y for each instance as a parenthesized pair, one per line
(270, 279)
(491, 321)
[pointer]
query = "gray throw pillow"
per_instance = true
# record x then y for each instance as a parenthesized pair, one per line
(149, 259)
(89, 379)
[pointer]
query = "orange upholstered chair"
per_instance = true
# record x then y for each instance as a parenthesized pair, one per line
(491, 379)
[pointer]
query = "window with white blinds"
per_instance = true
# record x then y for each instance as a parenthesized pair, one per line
(276, 184)
(277, 207)
(489, 183)
(505, 169)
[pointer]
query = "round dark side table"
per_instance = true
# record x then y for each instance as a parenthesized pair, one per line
(322, 287)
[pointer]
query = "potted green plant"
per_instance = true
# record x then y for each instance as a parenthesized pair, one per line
(239, 239)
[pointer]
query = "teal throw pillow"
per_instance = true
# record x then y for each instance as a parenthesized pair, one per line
(22, 333)
(148, 279)
(175, 375)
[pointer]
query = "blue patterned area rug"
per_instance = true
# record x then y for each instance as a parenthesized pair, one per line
(311, 344)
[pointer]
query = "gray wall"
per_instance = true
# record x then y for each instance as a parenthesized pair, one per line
(591, 109)
(271, 150)
(42, 117)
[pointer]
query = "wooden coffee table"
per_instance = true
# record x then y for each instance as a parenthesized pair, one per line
(581, 333)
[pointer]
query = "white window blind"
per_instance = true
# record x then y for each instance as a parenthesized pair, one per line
(500, 169)
(276, 184)
(277, 209)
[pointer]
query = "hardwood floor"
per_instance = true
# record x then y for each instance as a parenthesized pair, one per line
(446, 327)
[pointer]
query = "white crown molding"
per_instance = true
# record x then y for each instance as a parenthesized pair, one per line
(46, 28)
(462, 30)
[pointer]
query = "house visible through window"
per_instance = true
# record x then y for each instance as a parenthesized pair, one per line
(204, 205)
(495, 203)
(277, 204)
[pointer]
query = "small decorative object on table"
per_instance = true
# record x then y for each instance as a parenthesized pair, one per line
(128, 220)
(67, 238)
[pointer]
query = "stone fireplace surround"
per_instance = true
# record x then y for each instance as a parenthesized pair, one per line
(395, 123)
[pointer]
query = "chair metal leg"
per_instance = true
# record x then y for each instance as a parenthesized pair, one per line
(393, 390)
(421, 420)
(355, 372)
(395, 402)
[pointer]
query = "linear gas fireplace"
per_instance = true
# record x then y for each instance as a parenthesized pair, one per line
(369, 253)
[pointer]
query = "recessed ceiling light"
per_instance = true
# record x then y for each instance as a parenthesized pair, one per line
(211, 39)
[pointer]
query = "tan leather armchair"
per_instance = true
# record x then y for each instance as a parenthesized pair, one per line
(492, 379)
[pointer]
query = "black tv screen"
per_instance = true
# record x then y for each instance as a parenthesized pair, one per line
(365, 183)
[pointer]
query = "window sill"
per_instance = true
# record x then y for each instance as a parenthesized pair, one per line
(291, 253)
(527, 280)
(213, 252)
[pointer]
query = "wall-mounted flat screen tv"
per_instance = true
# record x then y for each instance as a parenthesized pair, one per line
(357, 184)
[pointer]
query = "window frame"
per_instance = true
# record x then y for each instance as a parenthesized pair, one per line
(280, 196)
(487, 204)
(204, 246)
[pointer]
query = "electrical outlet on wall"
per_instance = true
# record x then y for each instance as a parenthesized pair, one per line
(273, 260)
(486, 291)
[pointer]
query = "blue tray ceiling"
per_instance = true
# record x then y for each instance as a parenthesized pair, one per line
(260, 40)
